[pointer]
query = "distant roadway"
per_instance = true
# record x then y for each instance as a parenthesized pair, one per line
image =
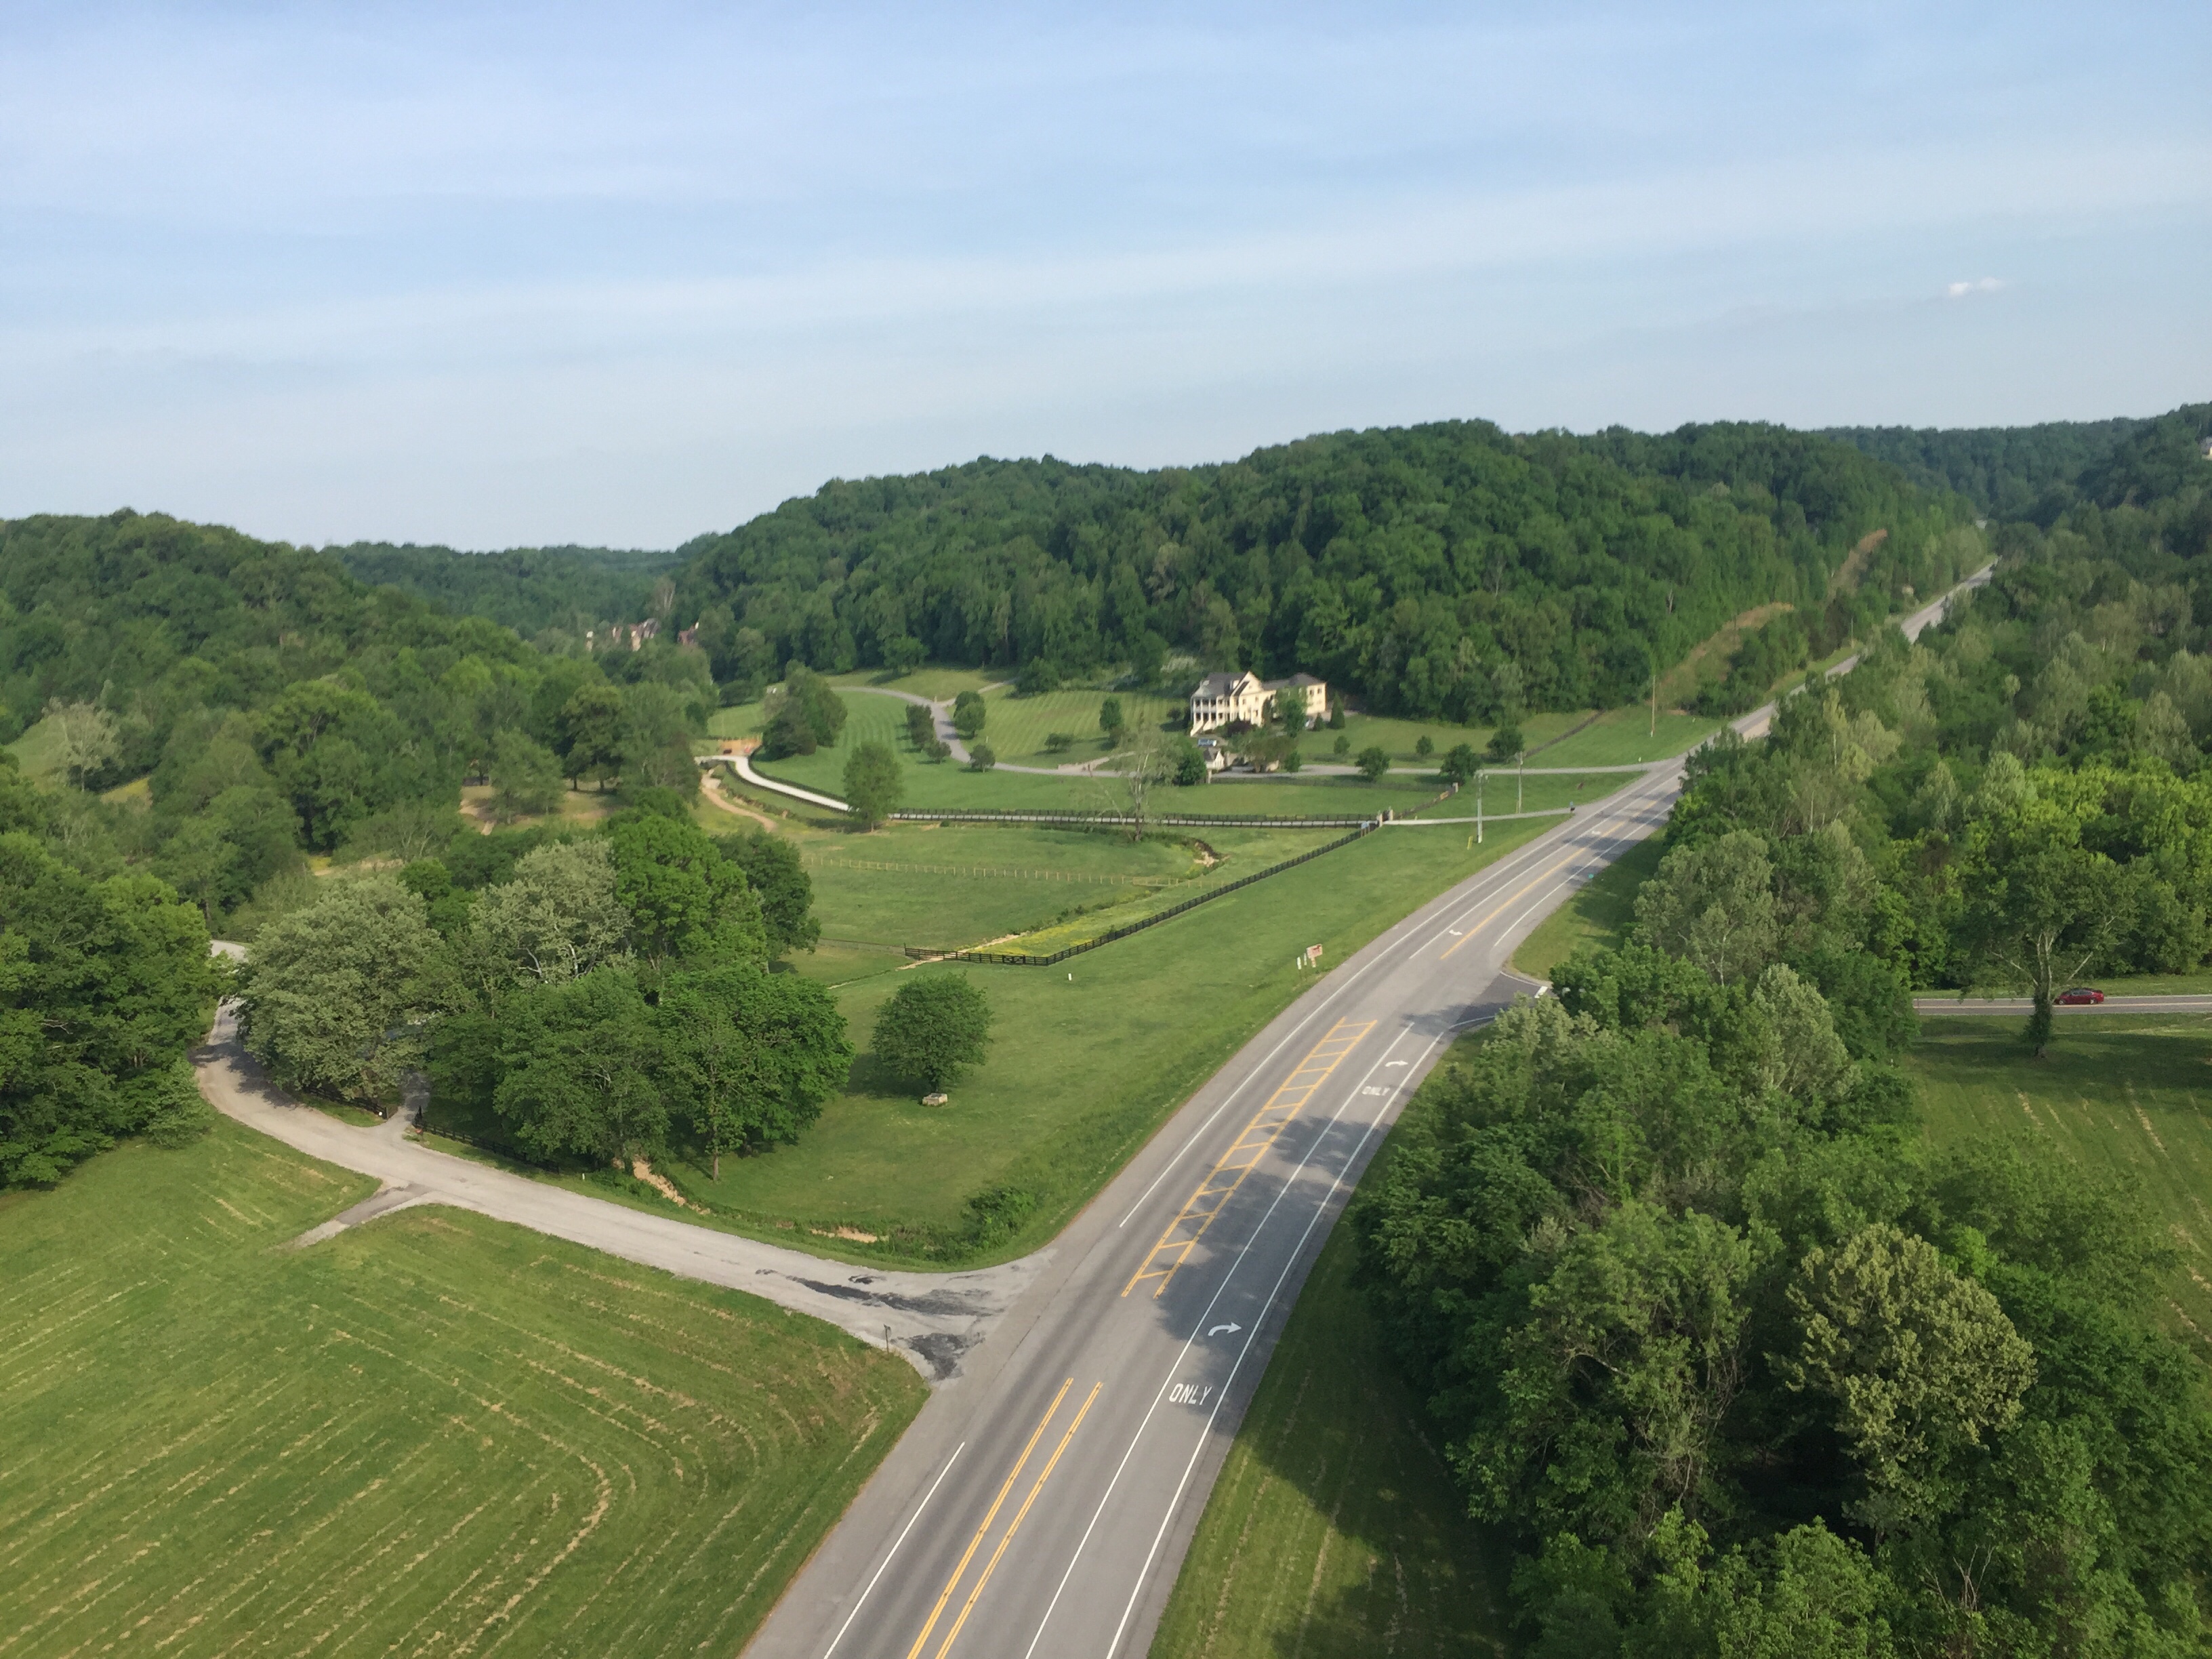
(1042, 1502)
(2179, 1003)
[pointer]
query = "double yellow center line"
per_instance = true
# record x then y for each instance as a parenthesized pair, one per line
(1223, 1180)
(976, 1543)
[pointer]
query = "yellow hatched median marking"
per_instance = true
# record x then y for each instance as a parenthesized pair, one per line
(1223, 1180)
(1012, 1475)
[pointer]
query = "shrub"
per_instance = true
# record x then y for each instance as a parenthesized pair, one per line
(1374, 760)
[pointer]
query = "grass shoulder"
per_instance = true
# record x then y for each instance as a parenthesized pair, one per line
(1598, 915)
(1335, 1529)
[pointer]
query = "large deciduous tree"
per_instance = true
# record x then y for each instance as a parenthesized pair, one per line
(525, 776)
(751, 1056)
(1919, 1362)
(590, 730)
(557, 918)
(579, 1066)
(781, 884)
(337, 996)
(2039, 908)
(684, 897)
(934, 1028)
(873, 783)
(1713, 904)
(104, 985)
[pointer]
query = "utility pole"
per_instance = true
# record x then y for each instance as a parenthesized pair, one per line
(1520, 780)
(1477, 809)
(1655, 696)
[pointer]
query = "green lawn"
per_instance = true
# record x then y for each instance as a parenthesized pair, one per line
(38, 752)
(1336, 1531)
(433, 1433)
(1244, 853)
(1599, 913)
(1085, 1067)
(1622, 736)
(1017, 727)
(2119, 1094)
(959, 885)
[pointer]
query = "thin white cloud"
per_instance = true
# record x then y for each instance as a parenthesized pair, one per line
(1983, 285)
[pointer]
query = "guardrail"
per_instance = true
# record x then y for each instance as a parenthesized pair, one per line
(1022, 959)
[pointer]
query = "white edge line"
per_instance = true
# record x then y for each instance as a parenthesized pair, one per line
(1266, 1308)
(900, 1539)
(1410, 924)
(1289, 1182)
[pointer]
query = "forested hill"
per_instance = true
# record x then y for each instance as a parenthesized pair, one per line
(2037, 473)
(529, 589)
(276, 703)
(1440, 570)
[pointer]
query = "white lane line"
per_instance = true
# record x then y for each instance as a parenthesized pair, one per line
(1229, 1382)
(901, 1538)
(1337, 994)
(1603, 848)
(1183, 1353)
(1492, 878)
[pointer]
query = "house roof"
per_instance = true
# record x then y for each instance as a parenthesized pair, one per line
(1221, 685)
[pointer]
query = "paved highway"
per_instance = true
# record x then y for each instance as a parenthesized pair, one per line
(1043, 1502)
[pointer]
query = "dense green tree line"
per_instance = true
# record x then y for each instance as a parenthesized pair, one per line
(106, 982)
(277, 707)
(561, 593)
(602, 996)
(1741, 1370)
(1445, 571)
(1740, 1366)
(2035, 473)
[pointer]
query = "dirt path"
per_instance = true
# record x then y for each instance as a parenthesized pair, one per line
(712, 788)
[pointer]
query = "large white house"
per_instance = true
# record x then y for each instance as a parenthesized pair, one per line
(1225, 699)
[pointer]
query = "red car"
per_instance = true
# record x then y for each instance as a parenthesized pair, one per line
(2081, 996)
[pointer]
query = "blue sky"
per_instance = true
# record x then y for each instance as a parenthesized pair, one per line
(495, 275)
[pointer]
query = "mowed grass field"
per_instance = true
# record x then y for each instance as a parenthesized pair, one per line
(1336, 1531)
(957, 885)
(2120, 1095)
(1087, 1060)
(432, 1435)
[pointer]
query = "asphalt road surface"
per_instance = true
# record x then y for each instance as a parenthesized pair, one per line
(1043, 1502)
(2179, 1003)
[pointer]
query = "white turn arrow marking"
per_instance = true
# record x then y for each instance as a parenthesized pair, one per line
(1217, 1329)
